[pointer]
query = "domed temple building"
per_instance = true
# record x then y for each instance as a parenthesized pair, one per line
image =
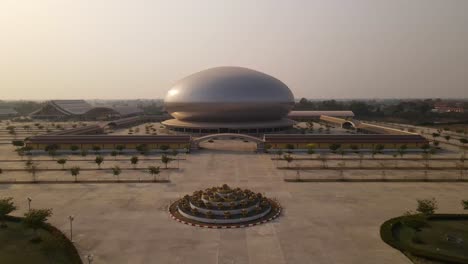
(229, 100)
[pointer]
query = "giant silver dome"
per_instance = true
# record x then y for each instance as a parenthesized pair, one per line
(229, 94)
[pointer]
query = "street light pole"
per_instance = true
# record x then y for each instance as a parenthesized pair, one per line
(90, 258)
(29, 203)
(71, 218)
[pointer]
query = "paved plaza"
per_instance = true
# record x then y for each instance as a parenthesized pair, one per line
(321, 222)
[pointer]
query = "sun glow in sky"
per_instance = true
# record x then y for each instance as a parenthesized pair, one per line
(112, 49)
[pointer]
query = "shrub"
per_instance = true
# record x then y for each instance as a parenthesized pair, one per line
(427, 206)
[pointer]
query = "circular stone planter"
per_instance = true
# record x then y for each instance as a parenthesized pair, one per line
(184, 211)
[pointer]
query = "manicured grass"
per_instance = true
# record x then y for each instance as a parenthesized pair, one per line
(16, 247)
(441, 237)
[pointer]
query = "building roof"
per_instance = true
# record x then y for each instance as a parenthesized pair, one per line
(345, 138)
(294, 114)
(91, 129)
(108, 139)
(72, 107)
(81, 107)
(127, 110)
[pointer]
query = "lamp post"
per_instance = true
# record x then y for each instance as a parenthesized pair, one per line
(71, 218)
(29, 203)
(90, 258)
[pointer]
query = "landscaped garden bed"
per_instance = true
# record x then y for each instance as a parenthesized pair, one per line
(439, 237)
(19, 244)
(224, 207)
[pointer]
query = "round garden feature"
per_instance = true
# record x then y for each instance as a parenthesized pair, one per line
(224, 207)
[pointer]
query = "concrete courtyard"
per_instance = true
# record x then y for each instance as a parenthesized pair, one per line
(321, 222)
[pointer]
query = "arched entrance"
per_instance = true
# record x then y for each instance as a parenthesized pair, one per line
(195, 144)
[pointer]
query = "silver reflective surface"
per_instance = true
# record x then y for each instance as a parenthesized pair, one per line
(229, 94)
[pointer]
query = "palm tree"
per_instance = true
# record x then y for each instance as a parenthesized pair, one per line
(134, 161)
(75, 171)
(99, 160)
(154, 171)
(116, 171)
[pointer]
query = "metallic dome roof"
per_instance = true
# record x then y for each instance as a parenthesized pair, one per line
(229, 94)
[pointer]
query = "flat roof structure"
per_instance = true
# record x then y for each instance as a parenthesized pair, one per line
(84, 130)
(228, 127)
(316, 114)
(344, 139)
(108, 139)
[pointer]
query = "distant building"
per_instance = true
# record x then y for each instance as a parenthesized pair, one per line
(315, 115)
(82, 110)
(7, 113)
(446, 108)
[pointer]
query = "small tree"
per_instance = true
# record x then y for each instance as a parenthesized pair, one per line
(288, 158)
(35, 219)
(289, 147)
(62, 162)
(354, 148)
(154, 171)
(311, 148)
(18, 143)
(164, 148)
(465, 204)
(426, 156)
(84, 153)
(447, 137)
(134, 161)
(435, 135)
(334, 147)
(379, 148)
(74, 148)
(427, 206)
(120, 148)
(402, 150)
(96, 149)
(6, 206)
(52, 153)
(114, 154)
(166, 160)
(116, 171)
(75, 171)
(32, 168)
(99, 160)
(142, 149)
(174, 153)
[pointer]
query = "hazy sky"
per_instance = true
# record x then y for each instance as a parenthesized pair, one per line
(66, 49)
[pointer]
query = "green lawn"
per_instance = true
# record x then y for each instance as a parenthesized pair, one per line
(445, 237)
(16, 247)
